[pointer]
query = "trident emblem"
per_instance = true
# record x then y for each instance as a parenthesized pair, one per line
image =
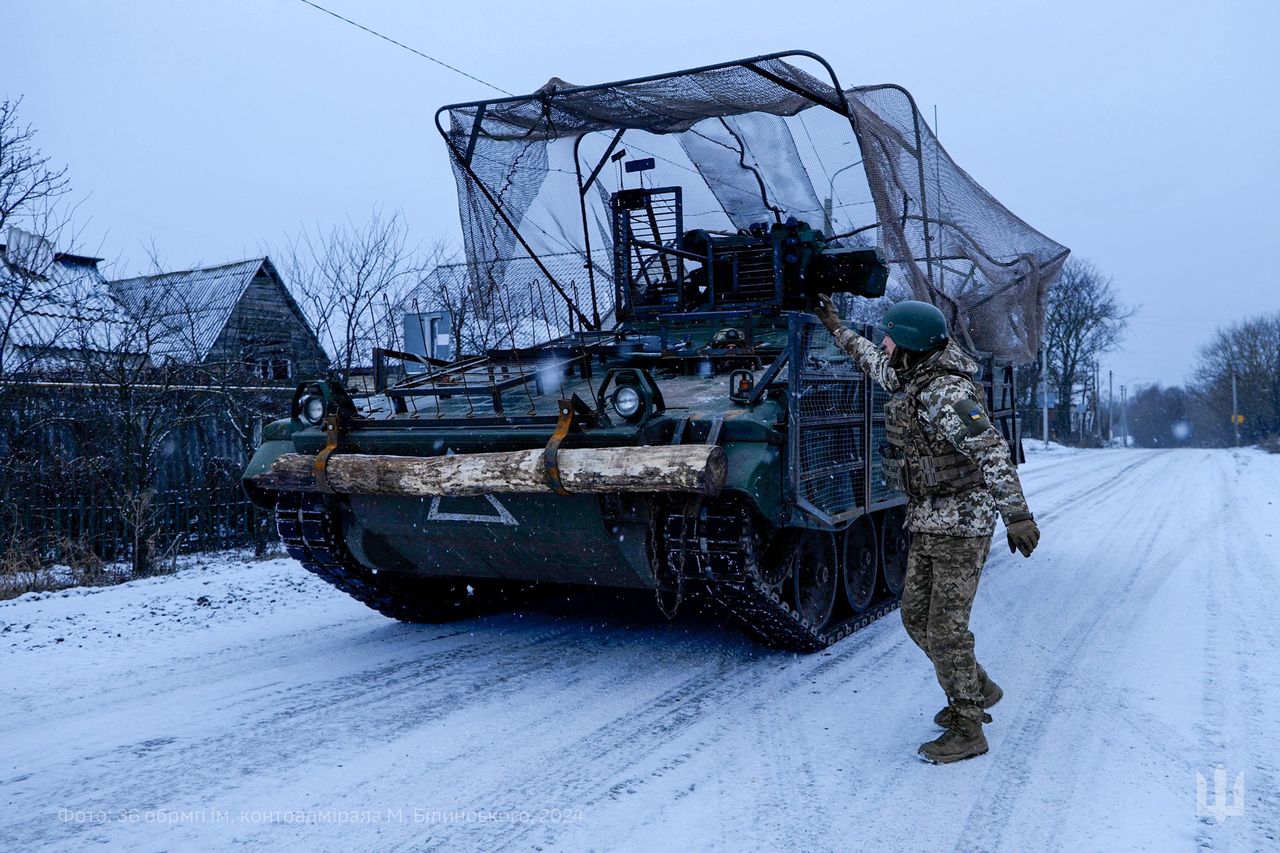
(1220, 809)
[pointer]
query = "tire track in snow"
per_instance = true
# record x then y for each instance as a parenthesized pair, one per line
(1015, 753)
(615, 760)
(644, 746)
(1236, 730)
(374, 705)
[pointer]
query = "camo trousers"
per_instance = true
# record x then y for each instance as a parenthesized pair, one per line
(942, 579)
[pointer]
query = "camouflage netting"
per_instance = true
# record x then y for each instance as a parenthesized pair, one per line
(753, 141)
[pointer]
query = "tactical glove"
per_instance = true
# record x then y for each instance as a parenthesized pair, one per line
(826, 312)
(1023, 536)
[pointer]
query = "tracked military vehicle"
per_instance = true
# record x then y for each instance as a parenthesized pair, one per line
(637, 393)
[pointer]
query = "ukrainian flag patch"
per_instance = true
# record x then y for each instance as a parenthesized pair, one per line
(973, 416)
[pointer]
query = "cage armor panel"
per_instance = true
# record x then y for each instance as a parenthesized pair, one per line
(947, 409)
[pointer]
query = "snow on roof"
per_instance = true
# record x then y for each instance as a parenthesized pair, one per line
(193, 306)
(169, 316)
(64, 306)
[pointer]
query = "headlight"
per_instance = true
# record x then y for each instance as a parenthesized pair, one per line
(626, 401)
(740, 384)
(312, 409)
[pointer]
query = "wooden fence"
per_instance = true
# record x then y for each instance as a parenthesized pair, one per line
(181, 520)
(61, 493)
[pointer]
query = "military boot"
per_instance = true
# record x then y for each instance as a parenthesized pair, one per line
(962, 739)
(991, 694)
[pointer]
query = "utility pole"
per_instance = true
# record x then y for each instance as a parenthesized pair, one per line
(1044, 390)
(1097, 401)
(1084, 406)
(1235, 414)
(1124, 415)
(1111, 406)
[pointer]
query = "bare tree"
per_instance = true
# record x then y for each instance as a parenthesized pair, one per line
(1158, 417)
(347, 281)
(138, 390)
(1083, 320)
(34, 309)
(28, 183)
(1251, 351)
(241, 397)
(33, 221)
(98, 393)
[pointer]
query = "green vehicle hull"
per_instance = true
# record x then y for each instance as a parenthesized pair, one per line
(797, 549)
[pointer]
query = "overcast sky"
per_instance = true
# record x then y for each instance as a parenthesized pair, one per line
(1143, 135)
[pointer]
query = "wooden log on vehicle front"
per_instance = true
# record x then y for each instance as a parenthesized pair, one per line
(692, 468)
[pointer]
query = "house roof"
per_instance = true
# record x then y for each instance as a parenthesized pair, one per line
(65, 306)
(193, 305)
(75, 259)
(171, 316)
(81, 260)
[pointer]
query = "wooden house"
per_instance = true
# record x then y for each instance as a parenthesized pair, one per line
(232, 314)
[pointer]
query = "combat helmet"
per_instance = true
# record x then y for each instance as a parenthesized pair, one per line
(915, 326)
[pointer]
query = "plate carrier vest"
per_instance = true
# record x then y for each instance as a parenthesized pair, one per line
(913, 462)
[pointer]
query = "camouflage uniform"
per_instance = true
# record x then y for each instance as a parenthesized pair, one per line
(942, 579)
(951, 517)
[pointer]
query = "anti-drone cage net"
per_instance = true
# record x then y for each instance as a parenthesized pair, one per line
(752, 141)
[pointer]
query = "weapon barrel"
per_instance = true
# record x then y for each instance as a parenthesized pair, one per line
(689, 468)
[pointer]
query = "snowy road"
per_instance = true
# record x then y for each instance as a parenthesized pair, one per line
(1138, 647)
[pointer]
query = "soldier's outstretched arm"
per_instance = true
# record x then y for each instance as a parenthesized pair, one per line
(869, 357)
(963, 421)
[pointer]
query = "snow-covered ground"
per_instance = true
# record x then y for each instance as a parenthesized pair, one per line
(1038, 448)
(245, 706)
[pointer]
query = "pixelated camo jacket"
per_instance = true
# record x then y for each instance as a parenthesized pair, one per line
(951, 411)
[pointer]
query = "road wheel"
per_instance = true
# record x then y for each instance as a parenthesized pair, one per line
(817, 577)
(775, 557)
(894, 541)
(861, 558)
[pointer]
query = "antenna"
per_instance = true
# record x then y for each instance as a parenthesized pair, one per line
(391, 322)
(373, 319)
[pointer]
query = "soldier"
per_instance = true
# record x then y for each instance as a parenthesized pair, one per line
(956, 471)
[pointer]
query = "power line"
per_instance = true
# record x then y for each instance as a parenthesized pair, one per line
(406, 47)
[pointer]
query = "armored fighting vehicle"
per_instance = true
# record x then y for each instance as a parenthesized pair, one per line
(624, 384)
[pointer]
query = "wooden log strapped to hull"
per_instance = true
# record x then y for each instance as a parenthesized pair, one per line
(694, 468)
